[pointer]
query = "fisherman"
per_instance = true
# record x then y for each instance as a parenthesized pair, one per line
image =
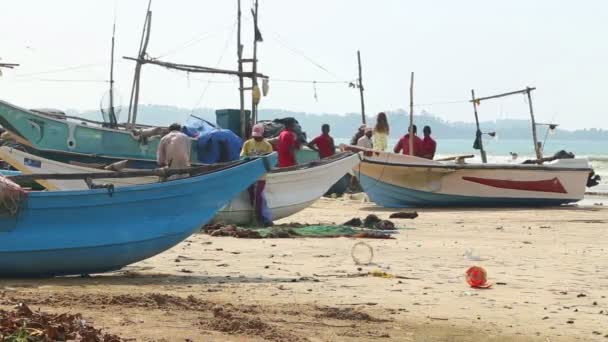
(429, 145)
(324, 143)
(366, 140)
(358, 135)
(287, 144)
(404, 144)
(174, 149)
(257, 146)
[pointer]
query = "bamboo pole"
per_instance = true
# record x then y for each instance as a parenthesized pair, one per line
(112, 113)
(192, 68)
(136, 74)
(254, 65)
(539, 153)
(361, 88)
(478, 135)
(411, 128)
(142, 55)
(239, 52)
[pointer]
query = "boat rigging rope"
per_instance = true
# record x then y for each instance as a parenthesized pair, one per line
(228, 40)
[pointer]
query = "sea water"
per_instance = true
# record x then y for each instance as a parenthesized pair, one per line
(499, 151)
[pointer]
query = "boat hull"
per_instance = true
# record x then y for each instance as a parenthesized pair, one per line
(87, 231)
(403, 181)
(289, 192)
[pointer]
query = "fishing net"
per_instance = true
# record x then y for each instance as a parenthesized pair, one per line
(11, 196)
(291, 231)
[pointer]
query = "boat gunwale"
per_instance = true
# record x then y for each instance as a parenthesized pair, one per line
(125, 130)
(148, 186)
(522, 167)
(315, 164)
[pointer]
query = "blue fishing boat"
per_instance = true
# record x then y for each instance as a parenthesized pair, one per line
(99, 230)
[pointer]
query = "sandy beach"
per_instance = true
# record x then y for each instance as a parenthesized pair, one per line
(548, 268)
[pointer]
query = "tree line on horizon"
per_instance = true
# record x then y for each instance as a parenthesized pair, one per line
(344, 126)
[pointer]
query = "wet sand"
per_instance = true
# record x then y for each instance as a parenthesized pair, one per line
(549, 268)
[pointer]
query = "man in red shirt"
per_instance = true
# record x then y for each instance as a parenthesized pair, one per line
(287, 145)
(429, 145)
(404, 144)
(324, 143)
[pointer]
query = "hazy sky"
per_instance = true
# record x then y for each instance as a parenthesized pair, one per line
(452, 46)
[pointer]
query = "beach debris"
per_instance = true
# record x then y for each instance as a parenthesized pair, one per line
(371, 220)
(381, 274)
(581, 295)
(362, 253)
(349, 314)
(404, 215)
(476, 278)
(470, 254)
(23, 324)
(354, 222)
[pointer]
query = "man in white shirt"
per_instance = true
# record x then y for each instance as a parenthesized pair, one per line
(366, 140)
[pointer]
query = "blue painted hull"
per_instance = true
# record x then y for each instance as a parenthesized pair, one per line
(76, 232)
(391, 196)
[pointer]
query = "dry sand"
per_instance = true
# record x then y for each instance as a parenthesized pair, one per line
(549, 268)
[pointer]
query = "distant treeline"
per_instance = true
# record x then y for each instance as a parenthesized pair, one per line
(343, 126)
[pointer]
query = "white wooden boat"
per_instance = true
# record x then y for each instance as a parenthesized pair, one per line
(288, 190)
(396, 180)
(291, 190)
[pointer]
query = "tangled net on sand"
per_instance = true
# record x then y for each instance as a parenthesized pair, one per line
(11, 196)
(23, 324)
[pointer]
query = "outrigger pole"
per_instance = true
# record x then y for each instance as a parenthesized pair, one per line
(8, 65)
(527, 91)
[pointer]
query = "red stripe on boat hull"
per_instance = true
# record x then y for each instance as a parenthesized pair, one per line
(548, 185)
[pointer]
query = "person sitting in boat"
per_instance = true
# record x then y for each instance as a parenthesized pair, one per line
(324, 143)
(404, 144)
(366, 140)
(429, 145)
(174, 149)
(287, 145)
(257, 146)
(358, 135)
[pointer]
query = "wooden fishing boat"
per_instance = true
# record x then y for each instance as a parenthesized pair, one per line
(291, 190)
(62, 138)
(99, 230)
(288, 190)
(393, 180)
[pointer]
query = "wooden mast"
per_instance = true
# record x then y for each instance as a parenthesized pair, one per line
(478, 134)
(361, 88)
(539, 153)
(239, 52)
(411, 128)
(113, 120)
(143, 45)
(254, 65)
